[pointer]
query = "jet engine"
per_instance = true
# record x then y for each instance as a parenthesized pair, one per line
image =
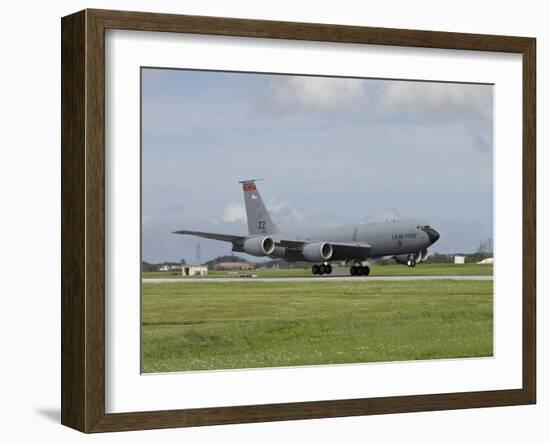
(317, 251)
(401, 259)
(259, 245)
(412, 259)
(280, 252)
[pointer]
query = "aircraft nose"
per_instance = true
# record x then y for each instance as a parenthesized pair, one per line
(433, 234)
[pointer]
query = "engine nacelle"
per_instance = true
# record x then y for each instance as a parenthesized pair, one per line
(401, 259)
(317, 251)
(411, 259)
(259, 246)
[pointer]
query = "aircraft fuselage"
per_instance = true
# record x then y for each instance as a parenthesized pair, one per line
(394, 237)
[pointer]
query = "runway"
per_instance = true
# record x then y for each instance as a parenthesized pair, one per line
(322, 278)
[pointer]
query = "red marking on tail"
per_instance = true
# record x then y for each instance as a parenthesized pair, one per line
(249, 187)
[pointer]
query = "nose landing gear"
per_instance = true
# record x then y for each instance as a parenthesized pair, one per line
(321, 269)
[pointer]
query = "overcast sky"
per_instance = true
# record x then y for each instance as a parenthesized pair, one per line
(331, 150)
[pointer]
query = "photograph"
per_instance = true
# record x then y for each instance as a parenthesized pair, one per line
(300, 220)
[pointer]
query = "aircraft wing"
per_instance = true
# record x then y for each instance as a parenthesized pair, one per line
(340, 250)
(218, 236)
(350, 248)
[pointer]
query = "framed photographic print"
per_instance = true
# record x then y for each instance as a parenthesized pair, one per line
(270, 220)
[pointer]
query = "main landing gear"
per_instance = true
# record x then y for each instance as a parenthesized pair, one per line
(321, 269)
(359, 270)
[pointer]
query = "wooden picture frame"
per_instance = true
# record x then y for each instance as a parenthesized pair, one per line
(83, 220)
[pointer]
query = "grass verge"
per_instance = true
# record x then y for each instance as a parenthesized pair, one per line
(205, 326)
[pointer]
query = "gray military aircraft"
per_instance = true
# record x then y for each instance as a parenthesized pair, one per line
(406, 241)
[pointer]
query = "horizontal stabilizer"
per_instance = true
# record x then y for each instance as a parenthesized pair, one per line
(218, 236)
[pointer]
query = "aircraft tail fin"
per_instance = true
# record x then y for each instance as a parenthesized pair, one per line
(259, 221)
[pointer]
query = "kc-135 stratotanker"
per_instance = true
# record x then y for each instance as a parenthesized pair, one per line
(406, 241)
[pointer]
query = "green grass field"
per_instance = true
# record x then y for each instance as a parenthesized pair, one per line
(376, 270)
(246, 324)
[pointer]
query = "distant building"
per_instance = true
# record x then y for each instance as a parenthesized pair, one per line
(487, 261)
(459, 259)
(194, 270)
(237, 265)
(167, 268)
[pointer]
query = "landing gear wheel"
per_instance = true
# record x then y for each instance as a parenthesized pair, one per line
(328, 269)
(315, 269)
(322, 269)
(357, 270)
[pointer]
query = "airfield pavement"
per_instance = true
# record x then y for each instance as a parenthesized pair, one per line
(322, 278)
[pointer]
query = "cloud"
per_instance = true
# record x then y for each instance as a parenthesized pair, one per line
(234, 213)
(316, 93)
(285, 215)
(417, 101)
(423, 100)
